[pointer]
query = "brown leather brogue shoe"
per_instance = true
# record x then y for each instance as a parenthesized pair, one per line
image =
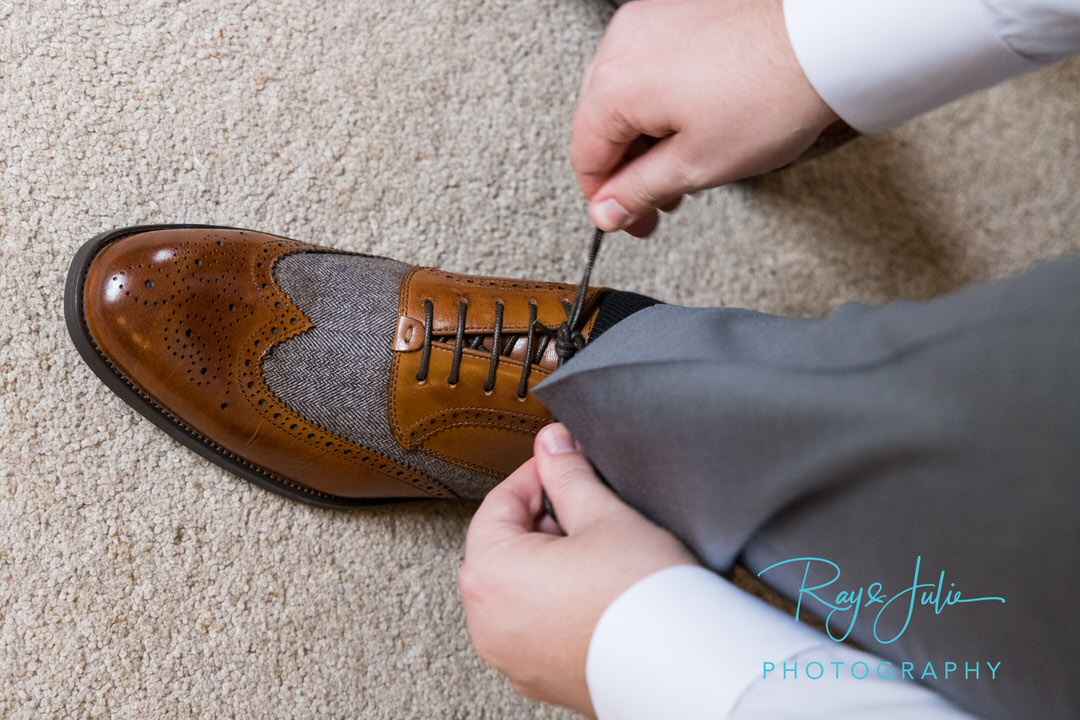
(333, 378)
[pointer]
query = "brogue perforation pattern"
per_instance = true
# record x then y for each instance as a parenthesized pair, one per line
(474, 417)
(214, 275)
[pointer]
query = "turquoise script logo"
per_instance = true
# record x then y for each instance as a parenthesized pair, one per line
(918, 593)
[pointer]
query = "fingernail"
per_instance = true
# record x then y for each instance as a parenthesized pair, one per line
(557, 439)
(609, 215)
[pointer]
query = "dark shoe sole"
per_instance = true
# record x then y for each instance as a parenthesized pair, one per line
(148, 408)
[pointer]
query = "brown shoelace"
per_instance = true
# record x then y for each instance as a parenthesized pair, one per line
(567, 337)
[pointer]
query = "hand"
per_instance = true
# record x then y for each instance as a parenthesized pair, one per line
(685, 95)
(533, 594)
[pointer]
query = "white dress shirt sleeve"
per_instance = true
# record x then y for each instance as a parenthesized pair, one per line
(877, 63)
(685, 643)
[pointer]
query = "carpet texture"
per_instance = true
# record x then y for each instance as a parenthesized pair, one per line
(137, 580)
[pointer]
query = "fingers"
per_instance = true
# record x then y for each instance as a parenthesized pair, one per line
(511, 508)
(599, 139)
(672, 205)
(612, 125)
(656, 179)
(644, 225)
(548, 525)
(625, 153)
(578, 496)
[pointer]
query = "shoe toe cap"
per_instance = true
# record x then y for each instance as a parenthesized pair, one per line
(185, 316)
(172, 309)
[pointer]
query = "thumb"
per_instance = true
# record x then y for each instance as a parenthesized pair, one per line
(651, 181)
(579, 497)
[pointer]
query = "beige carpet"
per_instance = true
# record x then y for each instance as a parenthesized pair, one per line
(137, 580)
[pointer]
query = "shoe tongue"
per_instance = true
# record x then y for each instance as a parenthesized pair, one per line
(546, 360)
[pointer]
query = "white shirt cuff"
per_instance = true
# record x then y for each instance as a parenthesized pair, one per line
(877, 63)
(685, 643)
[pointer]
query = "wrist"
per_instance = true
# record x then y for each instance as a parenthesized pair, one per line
(814, 111)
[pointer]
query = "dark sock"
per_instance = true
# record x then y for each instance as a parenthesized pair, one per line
(615, 307)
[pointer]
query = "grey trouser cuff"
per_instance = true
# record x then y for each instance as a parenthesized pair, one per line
(947, 429)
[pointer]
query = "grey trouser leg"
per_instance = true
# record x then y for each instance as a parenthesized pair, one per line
(947, 430)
